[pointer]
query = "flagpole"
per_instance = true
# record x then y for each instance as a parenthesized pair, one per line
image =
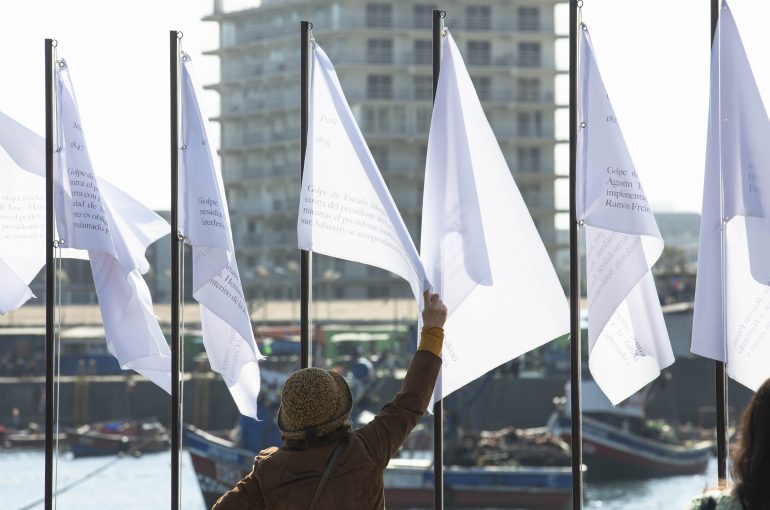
(576, 435)
(305, 257)
(50, 276)
(176, 362)
(719, 368)
(438, 407)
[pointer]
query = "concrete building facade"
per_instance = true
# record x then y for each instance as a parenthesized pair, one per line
(383, 55)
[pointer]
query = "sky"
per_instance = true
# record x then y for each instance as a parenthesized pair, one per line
(653, 57)
(654, 60)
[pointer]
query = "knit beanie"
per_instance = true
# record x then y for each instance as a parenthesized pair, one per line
(313, 402)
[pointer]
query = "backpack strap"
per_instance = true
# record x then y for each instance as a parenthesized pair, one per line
(329, 465)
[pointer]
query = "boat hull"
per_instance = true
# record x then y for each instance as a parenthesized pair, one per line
(612, 453)
(130, 438)
(219, 465)
(476, 487)
(20, 440)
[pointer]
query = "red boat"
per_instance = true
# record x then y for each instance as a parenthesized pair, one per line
(30, 438)
(118, 437)
(619, 442)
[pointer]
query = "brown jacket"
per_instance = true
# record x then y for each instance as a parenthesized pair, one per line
(284, 479)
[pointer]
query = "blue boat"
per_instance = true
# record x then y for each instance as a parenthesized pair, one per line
(219, 463)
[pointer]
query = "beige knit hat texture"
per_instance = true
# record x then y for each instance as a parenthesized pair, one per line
(313, 400)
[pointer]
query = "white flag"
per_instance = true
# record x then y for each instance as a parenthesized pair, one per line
(22, 213)
(731, 322)
(479, 244)
(345, 208)
(627, 338)
(205, 222)
(94, 215)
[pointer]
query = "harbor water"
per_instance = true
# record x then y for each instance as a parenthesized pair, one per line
(143, 483)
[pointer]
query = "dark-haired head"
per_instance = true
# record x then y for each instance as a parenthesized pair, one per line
(751, 461)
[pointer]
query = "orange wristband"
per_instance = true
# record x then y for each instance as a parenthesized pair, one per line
(432, 340)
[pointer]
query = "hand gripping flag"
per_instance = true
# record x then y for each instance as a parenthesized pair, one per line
(345, 208)
(479, 244)
(205, 222)
(93, 215)
(732, 291)
(22, 212)
(627, 337)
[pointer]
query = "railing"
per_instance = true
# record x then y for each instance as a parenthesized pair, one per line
(266, 238)
(323, 24)
(256, 141)
(539, 199)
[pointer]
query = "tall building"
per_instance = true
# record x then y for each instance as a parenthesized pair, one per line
(382, 52)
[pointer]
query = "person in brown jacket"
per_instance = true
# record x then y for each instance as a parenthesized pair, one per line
(314, 419)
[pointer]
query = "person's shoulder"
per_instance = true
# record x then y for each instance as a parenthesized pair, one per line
(265, 454)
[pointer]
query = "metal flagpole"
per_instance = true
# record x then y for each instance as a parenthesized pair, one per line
(576, 436)
(721, 378)
(438, 407)
(176, 362)
(305, 257)
(50, 282)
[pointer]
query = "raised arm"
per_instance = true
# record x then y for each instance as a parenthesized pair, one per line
(385, 434)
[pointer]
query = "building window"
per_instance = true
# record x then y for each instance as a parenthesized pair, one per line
(377, 291)
(422, 156)
(479, 17)
(380, 154)
(379, 51)
(379, 15)
(379, 86)
(529, 124)
(528, 89)
(529, 54)
(423, 16)
(529, 19)
(528, 159)
(423, 51)
(483, 86)
(423, 87)
(479, 53)
(376, 118)
(423, 120)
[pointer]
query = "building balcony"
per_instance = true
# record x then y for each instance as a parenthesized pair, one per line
(409, 59)
(324, 25)
(252, 142)
(261, 208)
(290, 103)
(246, 176)
(266, 239)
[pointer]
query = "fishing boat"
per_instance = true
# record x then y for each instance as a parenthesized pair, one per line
(620, 442)
(117, 437)
(30, 438)
(219, 463)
